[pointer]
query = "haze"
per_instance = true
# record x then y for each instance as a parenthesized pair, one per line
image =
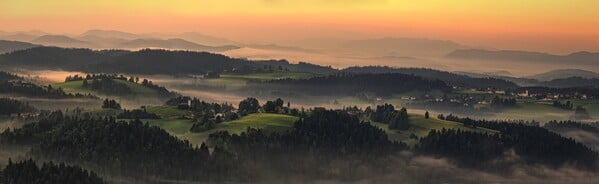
(553, 26)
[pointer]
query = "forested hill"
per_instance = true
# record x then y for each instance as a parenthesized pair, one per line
(448, 77)
(55, 58)
(350, 84)
(147, 61)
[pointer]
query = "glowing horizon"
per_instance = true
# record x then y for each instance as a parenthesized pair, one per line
(541, 25)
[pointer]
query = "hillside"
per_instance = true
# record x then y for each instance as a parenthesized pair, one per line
(571, 82)
(448, 77)
(11, 46)
(129, 93)
(565, 73)
(266, 121)
(110, 34)
(420, 127)
(146, 61)
(61, 41)
(348, 84)
(54, 58)
(173, 44)
(524, 56)
(400, 47)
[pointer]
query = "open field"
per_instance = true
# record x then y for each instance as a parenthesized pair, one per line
(142, 94)
(265, 121)
(422, 126)
(76, 87)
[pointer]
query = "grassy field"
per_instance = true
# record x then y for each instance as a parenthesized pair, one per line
(421, 126)
(142, 94)
(265, 121)
(76, 87)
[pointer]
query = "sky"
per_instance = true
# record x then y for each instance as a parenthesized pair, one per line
(556, 26)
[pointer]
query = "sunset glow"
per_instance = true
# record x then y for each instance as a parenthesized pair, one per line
(548, 25)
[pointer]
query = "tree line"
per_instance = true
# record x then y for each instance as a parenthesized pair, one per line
(10, 106)
(349, 84)
(326, 144)
(386, 113)
(536, 145)
(33, 90)
(27, 171)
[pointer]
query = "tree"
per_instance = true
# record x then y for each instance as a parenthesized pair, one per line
(269, 106)
(85, 83)
(279, 102)
(110, 104)
(248, 106)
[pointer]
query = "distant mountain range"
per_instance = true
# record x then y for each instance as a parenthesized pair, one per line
(280, 48)
(564, 78)
(61, 41)
(565, 73)
(110, 39)
(572, 82)
(448, 77)
(203, 39)
(111, 34)
(173, 44)
(400, 47)
(512, 55)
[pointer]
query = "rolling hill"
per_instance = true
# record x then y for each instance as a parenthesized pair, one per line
(587, 58)
(111, 34)
(11, 46)
(565, 73)
(61, 41)
(266, 121)
(448, 77)
(400, 47)
(146, 61)
(173, 44)
(421, 126)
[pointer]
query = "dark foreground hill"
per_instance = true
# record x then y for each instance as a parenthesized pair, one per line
(147, 61)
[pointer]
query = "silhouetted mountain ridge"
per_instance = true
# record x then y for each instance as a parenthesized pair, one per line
(564, 73)
(524, 56)
(11, 46)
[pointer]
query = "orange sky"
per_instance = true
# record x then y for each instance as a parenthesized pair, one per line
(558, 26)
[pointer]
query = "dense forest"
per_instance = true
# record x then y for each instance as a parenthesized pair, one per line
(556, 125)
(452, 79)
(27, 171)
(145, 61)
(325, 144)
(534, 144)
(33, 90)
(397, 119)
(136, 149)
(349, 84)
(10, 106)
